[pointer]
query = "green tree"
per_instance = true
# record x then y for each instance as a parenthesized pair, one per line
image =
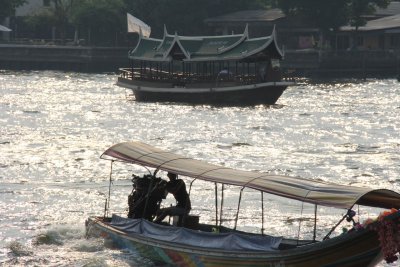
(325, 15)
(38, 25)
(57, 15)
(329, 15)
(97, 21)
(7, 7)
(100, 21)
(62, 13)
(186, 16)
(360, 8)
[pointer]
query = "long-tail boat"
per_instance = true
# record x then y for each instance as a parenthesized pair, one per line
(189, 242)
(220, 70)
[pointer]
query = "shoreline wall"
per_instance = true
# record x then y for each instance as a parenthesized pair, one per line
(304, 63)
(343, 64)
(69, 58)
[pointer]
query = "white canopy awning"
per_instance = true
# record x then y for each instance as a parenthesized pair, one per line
(320, 193)
(4, 29)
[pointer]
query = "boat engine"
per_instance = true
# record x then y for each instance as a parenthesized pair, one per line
(146, 196)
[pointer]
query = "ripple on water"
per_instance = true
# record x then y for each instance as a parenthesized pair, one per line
(18, 249)
(55, 125)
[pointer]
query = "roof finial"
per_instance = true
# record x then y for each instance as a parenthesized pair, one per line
(140, 33)
(274, 31)
(246, 31)
(165, 31)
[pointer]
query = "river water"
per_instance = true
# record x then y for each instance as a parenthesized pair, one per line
(55, 125)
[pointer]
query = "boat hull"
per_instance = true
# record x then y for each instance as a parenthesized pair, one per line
(254, 94)
(355, 249)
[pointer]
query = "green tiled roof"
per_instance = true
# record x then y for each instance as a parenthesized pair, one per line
(206, 48)
(146, 48)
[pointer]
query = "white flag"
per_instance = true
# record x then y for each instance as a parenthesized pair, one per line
(136, 25)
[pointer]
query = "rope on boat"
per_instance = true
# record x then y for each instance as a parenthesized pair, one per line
(336, 225)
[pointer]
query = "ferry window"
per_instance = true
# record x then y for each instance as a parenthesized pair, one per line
(46, 2)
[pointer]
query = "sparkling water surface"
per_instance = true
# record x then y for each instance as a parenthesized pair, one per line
(55, 125)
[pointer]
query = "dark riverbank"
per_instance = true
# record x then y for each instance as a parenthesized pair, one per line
(343, 64)
(305, 63)
(70, 58)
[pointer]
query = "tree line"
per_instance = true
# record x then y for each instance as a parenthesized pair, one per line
(103, 22)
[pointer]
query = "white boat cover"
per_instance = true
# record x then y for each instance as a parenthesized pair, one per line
(183, 236)
(320, 193)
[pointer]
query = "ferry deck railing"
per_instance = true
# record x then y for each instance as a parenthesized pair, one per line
(180, 78)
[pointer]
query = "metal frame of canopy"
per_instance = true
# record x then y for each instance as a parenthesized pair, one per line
(316, 193)
(218, 218)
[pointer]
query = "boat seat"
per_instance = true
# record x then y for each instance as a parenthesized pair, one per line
(188, 221)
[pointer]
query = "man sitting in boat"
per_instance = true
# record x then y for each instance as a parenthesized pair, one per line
(177, 188)
(145, 199)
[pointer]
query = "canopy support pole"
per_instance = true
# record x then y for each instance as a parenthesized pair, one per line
(105, 210)
(262, 213)
(109, 191)
(141, 69)
(315, 223)
(216, 204)
(255, 70)
(221, 207)
(236, 70)
(242, 71)
(150, 70)
(132, 69)
(157, 71)
(237, 212)
(183, 70)
(301, 214)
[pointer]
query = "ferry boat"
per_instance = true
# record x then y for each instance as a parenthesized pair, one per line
(219, 70)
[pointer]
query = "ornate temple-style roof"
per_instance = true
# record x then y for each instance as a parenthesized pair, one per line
(205, 48)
